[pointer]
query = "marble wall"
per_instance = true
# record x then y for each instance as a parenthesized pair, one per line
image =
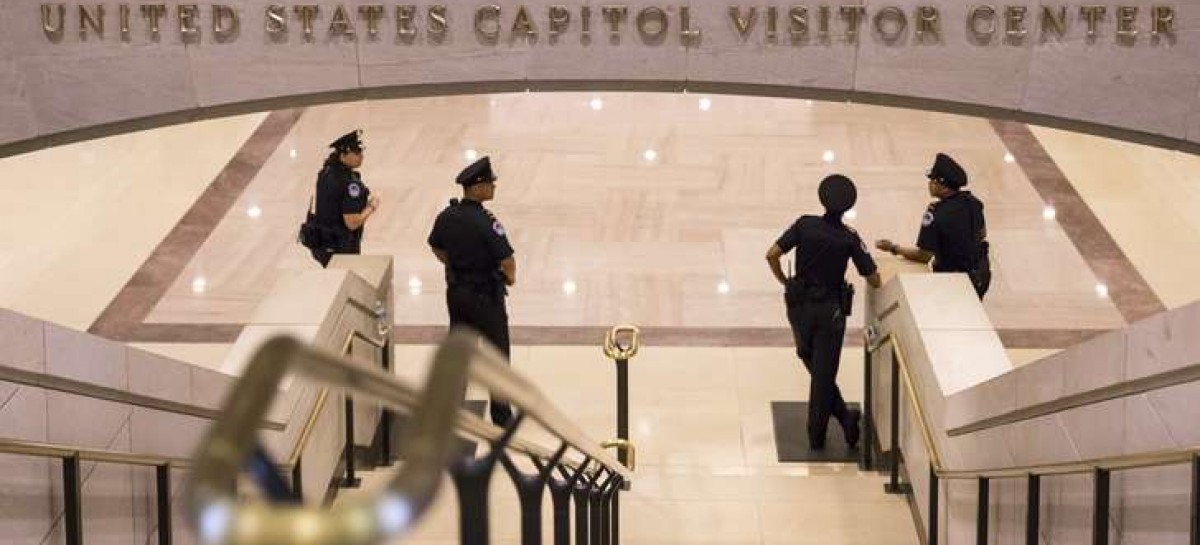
(118, 500)
(1147, 505)
(72, 81)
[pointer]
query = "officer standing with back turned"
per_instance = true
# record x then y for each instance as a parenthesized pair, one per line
(818, 301)
(473, 246)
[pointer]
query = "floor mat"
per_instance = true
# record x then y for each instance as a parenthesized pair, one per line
(791, 436)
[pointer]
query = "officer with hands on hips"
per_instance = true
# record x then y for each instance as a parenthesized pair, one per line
(343, 201)
(818, 301)
(474, 247)
(953, 230)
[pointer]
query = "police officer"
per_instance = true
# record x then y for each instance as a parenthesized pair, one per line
(818, 300)
(473, 246)
(953, 230)
(343, 201)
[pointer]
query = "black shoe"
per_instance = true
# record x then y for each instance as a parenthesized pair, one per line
(850, 429)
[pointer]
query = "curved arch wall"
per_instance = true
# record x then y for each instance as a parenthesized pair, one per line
(70, 70)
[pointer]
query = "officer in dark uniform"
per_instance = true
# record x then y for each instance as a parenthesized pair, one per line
(343, 201)
(818, 300)
(474, 247)
(953, 230)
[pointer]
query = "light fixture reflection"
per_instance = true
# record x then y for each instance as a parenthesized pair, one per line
(596, 104)
(569, 287)
(471, 154)
(254, 211)
(292, 153)
(1101, 290)
(1008, 158)
(705, 104)
(199, 284)
(850, 215)
(828, 156)
(1049, 213)
(723, 287)
(414, 285)
(650, 155)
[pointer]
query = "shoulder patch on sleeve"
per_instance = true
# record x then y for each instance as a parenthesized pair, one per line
(927, 218)
(354, 189)
(499, 229)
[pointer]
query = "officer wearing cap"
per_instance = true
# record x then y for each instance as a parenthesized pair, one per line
(343, 202)
(473, 246)
(818, 300)
(953, 230)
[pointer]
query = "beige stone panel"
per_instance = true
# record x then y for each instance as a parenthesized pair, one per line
(1104, 80)
(951, 65)
(81, 356)
(255, 66)
(19, 122)
(457, 56)
(70, 84)
(23, 339)
(206, 355)
(828, 520)
(723, 55)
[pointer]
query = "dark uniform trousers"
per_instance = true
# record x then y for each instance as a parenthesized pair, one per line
(818, 327)
(481, 307)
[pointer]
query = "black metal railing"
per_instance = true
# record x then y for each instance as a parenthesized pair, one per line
(1100, 469)
(575, 470)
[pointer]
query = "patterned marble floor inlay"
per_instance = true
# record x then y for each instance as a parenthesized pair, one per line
(607, 232)
(124, 317)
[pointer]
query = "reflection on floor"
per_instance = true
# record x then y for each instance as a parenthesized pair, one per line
(606, 232)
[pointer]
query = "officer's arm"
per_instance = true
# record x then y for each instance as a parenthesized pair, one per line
(355, 221)
(874, 280)
(508, 266)
(440, 254)
(911, 254)
(773, 255)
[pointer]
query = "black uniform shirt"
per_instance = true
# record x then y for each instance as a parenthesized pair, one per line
(474, 241)
(823, 249)
(952, 229)
(340, 190)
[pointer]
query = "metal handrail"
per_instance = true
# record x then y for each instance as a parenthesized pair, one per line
(1136, 386)
(47, 450)
(105, 393)
(1128, 461)
(436, 414)
(935, 457)
(504, 383)
(314, 414)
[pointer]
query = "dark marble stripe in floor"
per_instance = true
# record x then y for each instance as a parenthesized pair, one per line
(123, 319)
(1128, 290)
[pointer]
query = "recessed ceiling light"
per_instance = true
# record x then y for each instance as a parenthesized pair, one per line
(828, 156)
(706, 104)
(649, 155)
(1008, 158)
(569, 287)
(596, 104)
(850, 215)
(1101, 290)
(292, 153)
(723, 287)
(199, 284)
(254, 211)
(1049, 213)
(471, 154)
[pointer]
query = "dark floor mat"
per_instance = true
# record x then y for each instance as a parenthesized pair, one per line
(791, 436)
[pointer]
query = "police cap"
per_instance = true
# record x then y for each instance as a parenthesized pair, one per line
(837, 193)
(947, 172)
(350, 142)
(476, 173)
